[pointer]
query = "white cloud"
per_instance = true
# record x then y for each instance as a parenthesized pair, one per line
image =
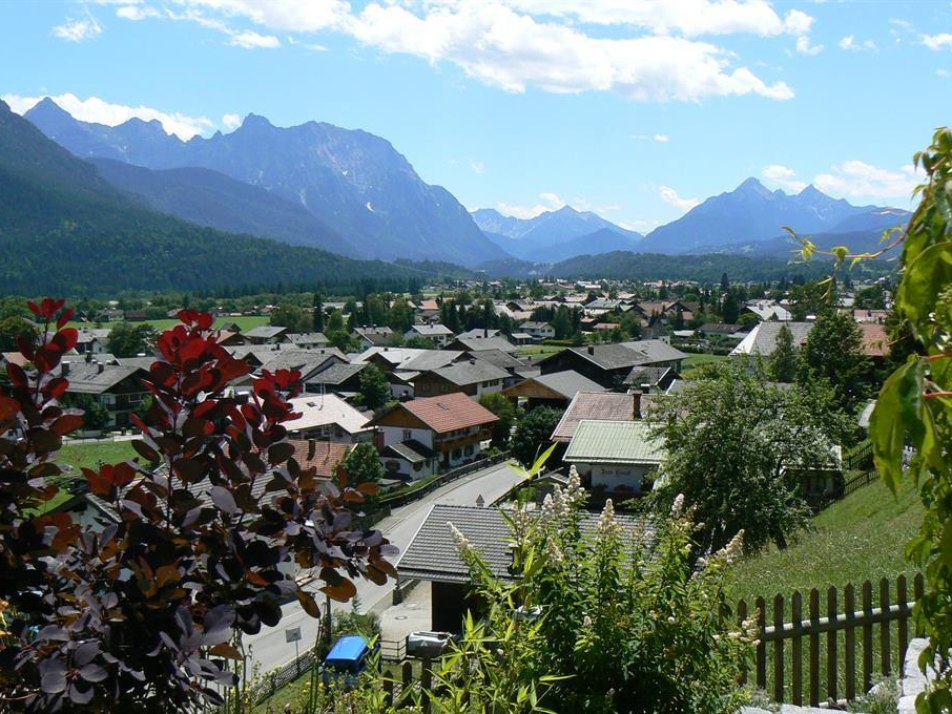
(943, 73)
(805, 48)
(858, 179)
(552, 203)
(78, 29)
(850, 44)
(499, 47)
(99, 111)
(662, 138)
(137, 12)
(851, 180)
(671, 197)
(231, 121)
(784, 177)
(477, 166)
(516, 44)
(250, 39)
(690, 18)
(937, 42)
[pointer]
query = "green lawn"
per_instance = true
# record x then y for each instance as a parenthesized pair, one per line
(859, 538)
(692, 362)
(90, 454)
(246, 322)
(538, 350)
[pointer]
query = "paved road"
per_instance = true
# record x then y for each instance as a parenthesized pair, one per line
(269, 648)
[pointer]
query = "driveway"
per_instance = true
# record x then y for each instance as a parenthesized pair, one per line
(270, 649)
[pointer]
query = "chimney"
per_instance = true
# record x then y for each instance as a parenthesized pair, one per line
(100, 367)
(472, 360)
(591, 349)
(645, 388)
(65, 370)
(89, 357)
(635, 406)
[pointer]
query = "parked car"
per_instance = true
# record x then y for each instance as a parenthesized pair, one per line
(427, 644)
(349, 656)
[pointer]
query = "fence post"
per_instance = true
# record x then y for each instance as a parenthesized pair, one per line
(796, 619)
(761, 676)
(814, 648)
(426, 683)
(831, 649)
(849, 605)
(778, 615)
(902, 599)
(867, 636)
(885, 643)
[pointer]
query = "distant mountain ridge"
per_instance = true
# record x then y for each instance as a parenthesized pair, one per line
(554, 235)
(752, 214)
(355, 183)
(64, 230)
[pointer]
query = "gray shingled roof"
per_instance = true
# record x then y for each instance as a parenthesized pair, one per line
(588, 405)
(485, 343)
(611, 356)
(646, 375)
(93, 378)
(337, 373)
(265, 332)
(429, 360)
(473, 372)
(433, 556)
(762, 340)
(568, 383)
(411, 450)
(655, 351)
(501, 359)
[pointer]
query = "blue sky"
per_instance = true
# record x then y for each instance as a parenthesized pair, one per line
(635, 109)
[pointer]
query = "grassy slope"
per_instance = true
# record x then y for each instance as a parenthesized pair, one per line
(245, 322)
(859, 538)
(693, 361)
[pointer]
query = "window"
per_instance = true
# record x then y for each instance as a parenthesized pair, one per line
(468, 450)
(418, 466)
(456, 454)
(407, 435)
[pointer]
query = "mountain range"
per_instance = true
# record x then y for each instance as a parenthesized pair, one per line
(65, 230)
(553, 236)
(365, 195)
(351, 193)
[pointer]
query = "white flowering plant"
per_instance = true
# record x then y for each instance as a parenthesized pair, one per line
(609, 616)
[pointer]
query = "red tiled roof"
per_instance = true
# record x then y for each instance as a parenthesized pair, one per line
(449, 412)
(875, 339)
(609, 406)
(325, 455)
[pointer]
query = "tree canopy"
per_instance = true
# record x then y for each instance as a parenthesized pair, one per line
(735, 447)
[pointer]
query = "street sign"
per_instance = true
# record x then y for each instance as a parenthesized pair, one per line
(292, 634)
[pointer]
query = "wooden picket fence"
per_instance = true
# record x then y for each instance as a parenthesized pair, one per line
(811, 654)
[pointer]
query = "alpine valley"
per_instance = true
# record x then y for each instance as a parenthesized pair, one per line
(351, 195)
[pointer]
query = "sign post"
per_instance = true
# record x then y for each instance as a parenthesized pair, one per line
(293, 634)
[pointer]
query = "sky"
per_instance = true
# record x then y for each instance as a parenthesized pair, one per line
(634, 109)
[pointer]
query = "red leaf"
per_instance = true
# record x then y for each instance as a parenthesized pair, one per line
(25, 345)
(57, 387)
(67, 424)
(9, 408)
(34, 308)
(65, 317)
(205, 321)
(66, 338)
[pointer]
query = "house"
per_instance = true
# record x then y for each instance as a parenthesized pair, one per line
(875, 342)
(538, 330)
(118, 388)
(557, 389)
(481, 344)
(610, 364)
(91, 341)
(266, 334)
(615, 457)
(433, 555)
(767, 310)
(327, 417)
(409, 460)
(650, 380)
(472, 377)
(516, 369)
(340, 378)
(478, 333)
(373, 336)
(402, 364)
(453, 425)
(762, 339)
(439, 334)
(307, 340)
(602, 406)
(324, 456)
